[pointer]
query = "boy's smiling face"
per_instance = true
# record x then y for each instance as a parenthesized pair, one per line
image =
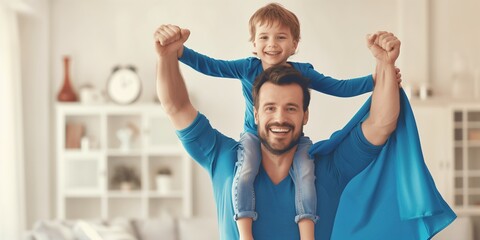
(273, 44)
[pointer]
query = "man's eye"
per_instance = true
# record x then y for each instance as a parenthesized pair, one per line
(292, 109)
(269, 109)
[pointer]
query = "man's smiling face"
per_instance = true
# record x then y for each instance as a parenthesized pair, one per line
(280, 116)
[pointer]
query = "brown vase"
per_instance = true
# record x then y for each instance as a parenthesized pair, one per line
(67, 94)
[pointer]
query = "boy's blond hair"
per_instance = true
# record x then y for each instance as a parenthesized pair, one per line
(275, 13)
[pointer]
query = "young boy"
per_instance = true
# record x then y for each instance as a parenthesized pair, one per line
(275, 33)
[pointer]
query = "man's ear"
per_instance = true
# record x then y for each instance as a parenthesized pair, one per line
(305, 117)
(255, 115)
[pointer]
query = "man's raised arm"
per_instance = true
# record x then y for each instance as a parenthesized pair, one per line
(385, 107)
(171, 89)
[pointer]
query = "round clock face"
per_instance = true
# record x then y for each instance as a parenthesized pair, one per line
(124, 86)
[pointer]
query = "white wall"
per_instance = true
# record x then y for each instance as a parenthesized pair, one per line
(99, 34)
(454, 30)
(35, 52)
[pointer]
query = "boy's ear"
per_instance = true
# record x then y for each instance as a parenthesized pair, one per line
(295, 46)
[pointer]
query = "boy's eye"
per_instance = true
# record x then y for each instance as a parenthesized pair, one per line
(263, 37)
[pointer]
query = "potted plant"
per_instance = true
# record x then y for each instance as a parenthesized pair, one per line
(163, 179)
(125, 178)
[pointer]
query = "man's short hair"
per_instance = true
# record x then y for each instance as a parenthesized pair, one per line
(282, 75)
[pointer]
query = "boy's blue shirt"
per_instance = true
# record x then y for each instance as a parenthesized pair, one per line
(247, 69)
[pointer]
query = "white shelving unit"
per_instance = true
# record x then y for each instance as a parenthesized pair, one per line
(450, 136)
(467, 158)
(84, 172)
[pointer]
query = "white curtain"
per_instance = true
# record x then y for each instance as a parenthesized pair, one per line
(12, 189)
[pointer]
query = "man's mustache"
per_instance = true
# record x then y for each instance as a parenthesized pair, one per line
(276, 124)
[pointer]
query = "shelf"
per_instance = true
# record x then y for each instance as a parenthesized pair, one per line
(466, 192)
(471, 173)
(473, 143)
(169, 194)
(467, 211)
(124, 153)
(82, 155)
(473, 191)
(124, 194)
(473, 124)
(83, 193)
(119, 143)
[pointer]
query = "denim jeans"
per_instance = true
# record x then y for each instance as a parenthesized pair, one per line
(302, 172)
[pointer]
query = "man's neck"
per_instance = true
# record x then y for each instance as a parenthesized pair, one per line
(277, 166)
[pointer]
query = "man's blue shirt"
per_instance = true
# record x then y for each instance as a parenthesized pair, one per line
(275, 205)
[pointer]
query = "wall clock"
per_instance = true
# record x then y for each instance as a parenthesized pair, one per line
(124, 86)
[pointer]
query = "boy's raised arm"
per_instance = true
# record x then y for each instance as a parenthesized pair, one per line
(171, 88)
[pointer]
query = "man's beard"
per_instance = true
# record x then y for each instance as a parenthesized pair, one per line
(270, 148)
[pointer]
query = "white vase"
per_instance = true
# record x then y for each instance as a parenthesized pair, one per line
(163, 183)
(126, 186)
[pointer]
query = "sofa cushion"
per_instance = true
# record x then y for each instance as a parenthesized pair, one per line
(153, 229)
(198, 229)
(53, 230)
(88, 231)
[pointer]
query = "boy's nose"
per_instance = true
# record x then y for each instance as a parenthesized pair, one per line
(272, 43)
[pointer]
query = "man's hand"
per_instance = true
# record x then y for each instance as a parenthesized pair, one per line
(169, 40)
(171, 88)
(384, 46)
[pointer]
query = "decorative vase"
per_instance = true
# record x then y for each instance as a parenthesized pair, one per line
(66, 94)
(126, 186)
(163, 183)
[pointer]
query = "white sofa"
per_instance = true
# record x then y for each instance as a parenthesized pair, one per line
(126, 229)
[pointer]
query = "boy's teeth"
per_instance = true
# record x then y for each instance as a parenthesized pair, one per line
(272, 53)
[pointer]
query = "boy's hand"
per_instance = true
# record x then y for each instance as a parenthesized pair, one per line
(169, 39)
(398, 76)
(384, 46)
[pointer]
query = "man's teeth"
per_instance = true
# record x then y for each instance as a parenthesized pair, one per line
(280, 130)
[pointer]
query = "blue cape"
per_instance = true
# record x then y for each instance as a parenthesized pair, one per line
(395, 197)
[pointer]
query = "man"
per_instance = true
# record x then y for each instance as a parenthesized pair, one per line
(281, 109)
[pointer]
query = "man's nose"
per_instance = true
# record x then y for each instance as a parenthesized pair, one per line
(280, 115)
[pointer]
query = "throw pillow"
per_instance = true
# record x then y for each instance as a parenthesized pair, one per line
(155, 229)
(88, 231)
(53, 230)
(198, 229)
